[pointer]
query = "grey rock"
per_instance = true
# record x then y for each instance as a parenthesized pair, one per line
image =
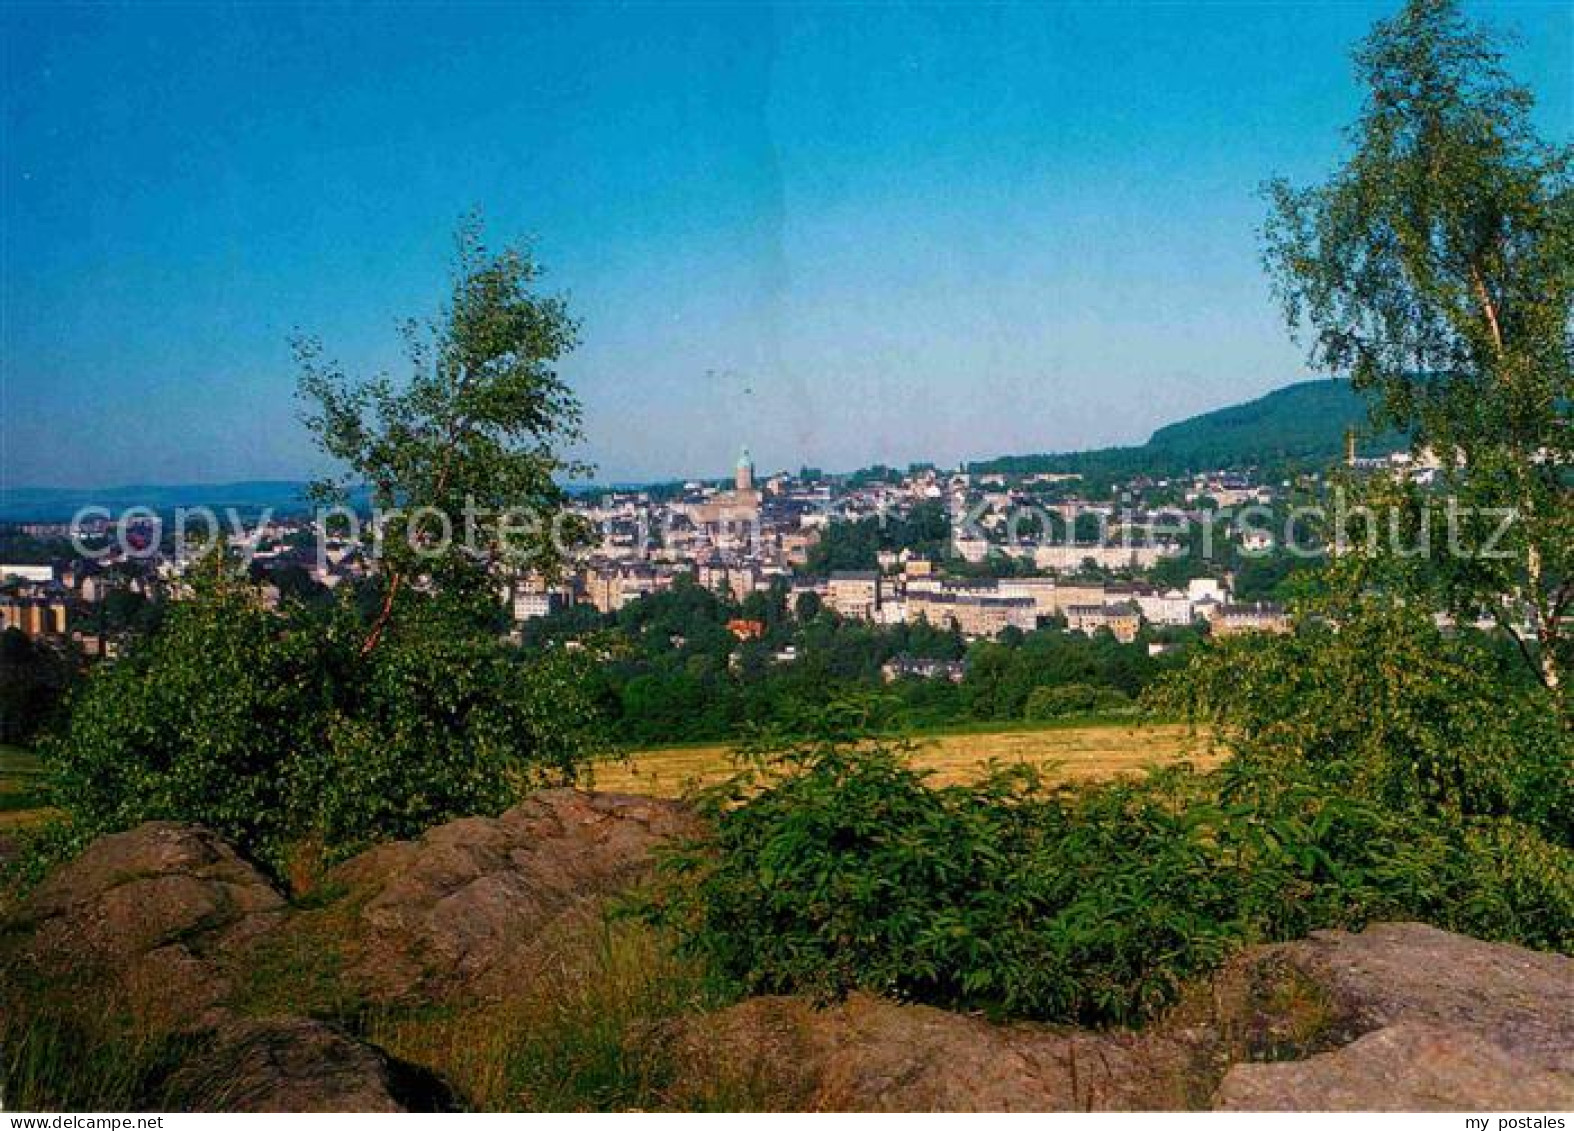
(296, 1065)
(1445, 1022)
(464, 910)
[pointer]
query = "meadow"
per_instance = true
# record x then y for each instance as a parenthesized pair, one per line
(1080, 752)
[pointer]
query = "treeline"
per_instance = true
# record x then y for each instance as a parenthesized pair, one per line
(675, 672)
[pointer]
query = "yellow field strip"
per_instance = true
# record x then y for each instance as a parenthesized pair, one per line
(1072, 753)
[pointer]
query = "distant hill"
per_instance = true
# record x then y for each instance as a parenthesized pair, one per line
(59, 504)
(1307, 421)
(1301, 426)
(1298, 427)
(284, 497)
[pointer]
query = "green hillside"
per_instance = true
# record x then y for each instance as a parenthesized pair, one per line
(1304, 422)
(1301, 426)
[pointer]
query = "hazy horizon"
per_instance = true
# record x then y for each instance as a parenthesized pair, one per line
(842, 235)
(598, 481)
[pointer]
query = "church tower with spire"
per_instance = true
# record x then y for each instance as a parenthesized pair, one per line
(726, 510)
(743, 477)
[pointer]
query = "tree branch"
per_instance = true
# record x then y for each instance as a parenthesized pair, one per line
(1519, 642)
(1489, 308)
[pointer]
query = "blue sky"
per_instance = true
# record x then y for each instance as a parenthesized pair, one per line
(841, 233)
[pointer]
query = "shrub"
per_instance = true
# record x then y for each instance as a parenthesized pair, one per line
(1069, 700)
(271, 729)
(1375, 700)
(443, 728)
(832, 865)
(210, 720)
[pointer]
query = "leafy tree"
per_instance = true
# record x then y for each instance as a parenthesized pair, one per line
(468, 450)
(1371, 697)
(125, 610)
(846, 546)
(1436, 269)
(35, 676)
(272, 728)
(1071, 699)
(26, 549)
(306, 733)
(438, 727)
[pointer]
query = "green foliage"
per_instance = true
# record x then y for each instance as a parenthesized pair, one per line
(462, 460)
(272, 729)
(925, 531)
(447, 728)
(832, 866)
(1442, 247)
(1071, 699)
(1300, 427)
(208, 721)
(1373, 698)
(304, 734)
(676, 674)
(17, 548)
(1381, 771)
(1002, 679)
(35, 676)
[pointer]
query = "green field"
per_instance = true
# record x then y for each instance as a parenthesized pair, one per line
(21, 776)
(1068, 751)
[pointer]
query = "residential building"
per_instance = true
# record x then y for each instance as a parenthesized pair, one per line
(34, 616)
(1122, 618)
(529, 605)
(913, 667)
(1232, 620)
(1171, 607)
(854, 594)
(1042, 591)
(977, 612)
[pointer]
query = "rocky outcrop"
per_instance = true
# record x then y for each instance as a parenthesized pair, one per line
(1403, 1067)
(867, 1054)
(166, 927)
(296, 1065)
(1438, 1022)
(1401, 1016)
(469, 909)
(152, 926)
(145, 919)
(165, 923)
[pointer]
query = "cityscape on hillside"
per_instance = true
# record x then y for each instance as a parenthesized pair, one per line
(983, 552)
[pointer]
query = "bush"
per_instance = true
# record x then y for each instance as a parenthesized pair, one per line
(1070, 700)
(444, 727)
(832, 865)
(35, 677)
(1375, 700)
(271, 728)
